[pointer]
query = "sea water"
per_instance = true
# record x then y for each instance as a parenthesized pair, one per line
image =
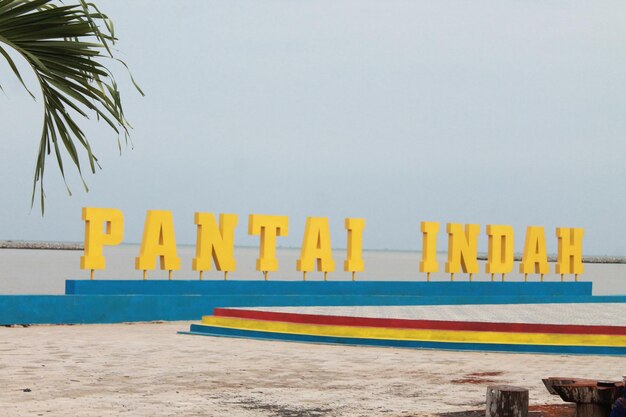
(35, 271)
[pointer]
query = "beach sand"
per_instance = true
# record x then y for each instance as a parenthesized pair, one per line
(147, 369)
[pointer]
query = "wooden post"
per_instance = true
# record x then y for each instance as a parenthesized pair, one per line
(506, 401)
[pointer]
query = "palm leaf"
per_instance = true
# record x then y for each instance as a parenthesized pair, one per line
(65, 44)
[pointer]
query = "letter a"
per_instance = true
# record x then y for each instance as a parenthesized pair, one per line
(158, 241)
(535, 258)
(316, 246)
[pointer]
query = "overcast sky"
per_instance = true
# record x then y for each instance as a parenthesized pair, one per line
(503, 112)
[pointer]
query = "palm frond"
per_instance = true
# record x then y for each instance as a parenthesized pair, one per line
(65, 44)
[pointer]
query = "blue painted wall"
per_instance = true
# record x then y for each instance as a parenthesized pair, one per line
(65, 309)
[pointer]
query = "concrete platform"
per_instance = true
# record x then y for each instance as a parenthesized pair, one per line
(546, 328)
(114, 301)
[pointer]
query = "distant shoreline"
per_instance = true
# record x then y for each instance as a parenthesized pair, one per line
(24, 244)
(41, 245)
(586, 259)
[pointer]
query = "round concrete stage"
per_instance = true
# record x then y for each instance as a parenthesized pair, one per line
(594, 328)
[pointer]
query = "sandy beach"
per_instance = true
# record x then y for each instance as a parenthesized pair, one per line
(147, 369)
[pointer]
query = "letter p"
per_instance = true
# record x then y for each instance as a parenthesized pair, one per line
(103, 226)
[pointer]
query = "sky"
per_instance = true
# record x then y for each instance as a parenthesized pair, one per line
(487, 112)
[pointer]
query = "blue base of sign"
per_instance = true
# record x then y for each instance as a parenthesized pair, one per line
(370, 288)
(128, 301)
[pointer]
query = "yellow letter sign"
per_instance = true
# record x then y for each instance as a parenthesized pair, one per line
(316, 246)
(354, 262)
(462, 249)
(535, 258)
(96, 219)
(268, 227)
(500, 250)
(158, 241)
(215, 243)
(429, 262)
(570, 255)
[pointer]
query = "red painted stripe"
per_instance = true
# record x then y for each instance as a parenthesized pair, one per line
(418, 324)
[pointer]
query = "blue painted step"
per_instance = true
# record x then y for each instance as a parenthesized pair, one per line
(203, 330)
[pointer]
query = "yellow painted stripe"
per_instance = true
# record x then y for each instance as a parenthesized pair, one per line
(451, 336)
